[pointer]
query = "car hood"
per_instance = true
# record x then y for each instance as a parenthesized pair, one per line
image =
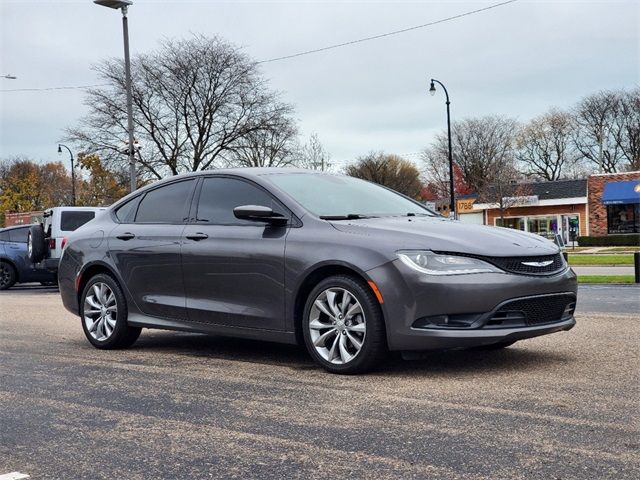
(444, 235)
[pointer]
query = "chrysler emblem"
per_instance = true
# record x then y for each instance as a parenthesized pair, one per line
(538, 264)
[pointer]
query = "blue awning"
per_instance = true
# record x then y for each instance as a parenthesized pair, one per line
(621, 192)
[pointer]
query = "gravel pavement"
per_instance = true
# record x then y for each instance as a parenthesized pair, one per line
(193, 406)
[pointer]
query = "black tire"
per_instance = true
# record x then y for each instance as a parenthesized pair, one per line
(374, 344)
(495, 346)
(8, 276)
(123, 335)
(35, 244)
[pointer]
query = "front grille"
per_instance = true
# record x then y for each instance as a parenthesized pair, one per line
(534, 310)
(518, 264)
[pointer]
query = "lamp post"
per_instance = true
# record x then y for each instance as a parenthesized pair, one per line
(123, 5)
(73, 174)
(432, 91)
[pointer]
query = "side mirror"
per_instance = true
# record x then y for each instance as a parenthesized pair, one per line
(258, 213)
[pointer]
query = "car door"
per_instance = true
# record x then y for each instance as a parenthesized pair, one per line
(145, 247)
(234, 269)
(17, 249)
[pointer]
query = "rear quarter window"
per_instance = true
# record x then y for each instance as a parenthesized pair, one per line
(4, 236)
(19, 235)
(70, 221)
(127, 212)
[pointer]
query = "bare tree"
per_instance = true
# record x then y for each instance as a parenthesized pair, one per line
(595, 118)
(195, 101)
(482, 147)
(313, 155)
(389, 170)
(545, 147)
(273, 147)
(626, 127)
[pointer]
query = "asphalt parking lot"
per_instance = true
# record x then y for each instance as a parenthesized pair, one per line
(194, 406)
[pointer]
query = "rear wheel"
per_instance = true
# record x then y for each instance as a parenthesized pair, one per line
(343, 325)
(8, 276)
(103, 311)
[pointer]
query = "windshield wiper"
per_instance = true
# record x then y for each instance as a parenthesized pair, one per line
(350, 216)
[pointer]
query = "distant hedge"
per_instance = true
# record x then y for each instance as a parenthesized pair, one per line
(628, 240)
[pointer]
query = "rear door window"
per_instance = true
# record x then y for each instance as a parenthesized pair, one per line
(4, 236)
(72, 220)
(166, 204)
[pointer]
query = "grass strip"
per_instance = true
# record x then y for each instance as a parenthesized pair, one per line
(606, 278)
(597, 259)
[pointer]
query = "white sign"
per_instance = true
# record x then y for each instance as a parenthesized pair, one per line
(522, 201)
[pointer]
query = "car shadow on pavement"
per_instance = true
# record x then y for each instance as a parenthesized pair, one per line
(460, 362)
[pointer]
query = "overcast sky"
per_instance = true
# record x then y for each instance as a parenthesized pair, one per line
(518, 59)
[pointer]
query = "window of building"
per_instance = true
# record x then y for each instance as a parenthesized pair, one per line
(544, 226)
(516, 223)
(623, 218)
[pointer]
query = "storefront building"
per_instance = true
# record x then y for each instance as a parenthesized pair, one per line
(614, 203)
(604, 204)
(543, 208)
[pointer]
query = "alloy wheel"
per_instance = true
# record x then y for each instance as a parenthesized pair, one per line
(5, 275)
(337, 325)
(100, 311)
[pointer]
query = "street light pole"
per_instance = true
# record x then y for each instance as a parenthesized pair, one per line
(123, 5)
(73, 174)
(432, 91)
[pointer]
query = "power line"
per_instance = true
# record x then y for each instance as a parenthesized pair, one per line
(307, 52)
(388, 34)
(72, 87)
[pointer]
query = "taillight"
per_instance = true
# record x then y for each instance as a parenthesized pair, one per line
(63, 243)
(52, 243)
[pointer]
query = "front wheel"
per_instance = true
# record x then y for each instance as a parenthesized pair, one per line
(103, 310)
(343, 325)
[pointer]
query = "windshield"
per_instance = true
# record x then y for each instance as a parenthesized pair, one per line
(337, 197)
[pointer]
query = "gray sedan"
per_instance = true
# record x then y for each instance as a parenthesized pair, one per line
(349, 268)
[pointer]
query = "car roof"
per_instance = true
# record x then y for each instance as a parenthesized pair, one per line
(245, 172)
(13, 227)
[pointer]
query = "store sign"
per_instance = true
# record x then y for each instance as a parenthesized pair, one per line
(430, 205)
(465, 205)
(521, 201)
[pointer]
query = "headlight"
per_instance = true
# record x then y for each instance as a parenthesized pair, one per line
(431, 263)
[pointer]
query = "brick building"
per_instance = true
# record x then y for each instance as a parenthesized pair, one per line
(11, 219)
(614, 203)
(544, 208)
(601, 205)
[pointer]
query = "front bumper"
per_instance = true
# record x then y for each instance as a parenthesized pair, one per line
(410, 296)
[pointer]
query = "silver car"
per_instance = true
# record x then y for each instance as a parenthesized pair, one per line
(349, 268)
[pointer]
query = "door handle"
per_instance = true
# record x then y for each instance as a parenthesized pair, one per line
(197, 236)
(126, 236)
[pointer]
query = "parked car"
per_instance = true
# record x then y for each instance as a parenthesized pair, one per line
(45, 242)
(15, 266)
(349, 268)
